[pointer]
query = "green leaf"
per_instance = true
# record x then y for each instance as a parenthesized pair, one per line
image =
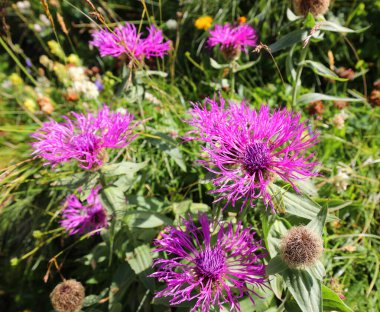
(317, 224)
(114, 198)
(305, 289)
(91, 300)
(312, 97)
(239, 67)
(295, 204)
(123, 168)
(276, 265)
(121, 280)
(288, 40)
(322, 70)
(291, 16)
(335, 27)
(181, 208)
(309, 21)
(317, 270)
(141, 262)
(277, 285)
(216, 65)
(140, 259)
(145, 219)
(276, 232)
(177, 156)
(331, 301)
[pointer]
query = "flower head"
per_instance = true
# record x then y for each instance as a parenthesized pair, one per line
(203, 22)
(210, 271)
(80, 218)
(126, 40)
(301, 247)
(248, 149)
(233, 38)
(68, 296)
(83, 138)
(315, 7)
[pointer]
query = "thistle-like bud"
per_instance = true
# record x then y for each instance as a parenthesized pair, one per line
(301, 247)
(67, 296)
(315, 7)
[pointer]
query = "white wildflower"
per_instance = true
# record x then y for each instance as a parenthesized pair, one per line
(171, 24)
(339, 119)
(87, 88)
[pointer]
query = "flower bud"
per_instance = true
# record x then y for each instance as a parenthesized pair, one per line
(301, 247)
(67, 296)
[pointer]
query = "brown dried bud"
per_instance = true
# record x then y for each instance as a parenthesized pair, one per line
(71, 96)
(67, 296)
(231, 53)
(346, 73)
(95, 70)
(340, 104)
(301, 247)
(179, 15)
(374, 97)
(315, 7)
(45, 104)
(376, 84)
(316, 108)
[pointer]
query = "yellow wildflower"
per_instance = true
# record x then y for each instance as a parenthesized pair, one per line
(242, 20)
(15, 79)
(56, 49)
(203, 22)
(74, 59)
(30, 105)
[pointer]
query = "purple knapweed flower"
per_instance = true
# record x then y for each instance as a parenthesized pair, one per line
(209, 270)
(126, 40)
(249, 149)
(84, 138)
(78, 218)
(233, 38)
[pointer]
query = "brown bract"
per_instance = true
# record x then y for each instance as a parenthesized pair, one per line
(67, 296)
(346, 73)
(301, 247)
(316, 108)
(315, 7)
(374, 97)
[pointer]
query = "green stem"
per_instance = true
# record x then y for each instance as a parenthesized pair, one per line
(17, 61)
(297, 83)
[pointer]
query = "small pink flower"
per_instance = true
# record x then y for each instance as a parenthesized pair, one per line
(84, 138)
(79, 218)
(126, 40)
(233, 36)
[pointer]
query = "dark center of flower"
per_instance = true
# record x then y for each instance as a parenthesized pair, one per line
(256, 157)
(98, 216)
(211, 263)
(86, 142)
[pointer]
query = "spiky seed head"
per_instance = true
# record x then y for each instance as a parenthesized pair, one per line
(301, 247)
(67, 296)
(315, 7)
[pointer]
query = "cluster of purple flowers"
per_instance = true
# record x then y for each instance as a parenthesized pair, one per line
(216, 263)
